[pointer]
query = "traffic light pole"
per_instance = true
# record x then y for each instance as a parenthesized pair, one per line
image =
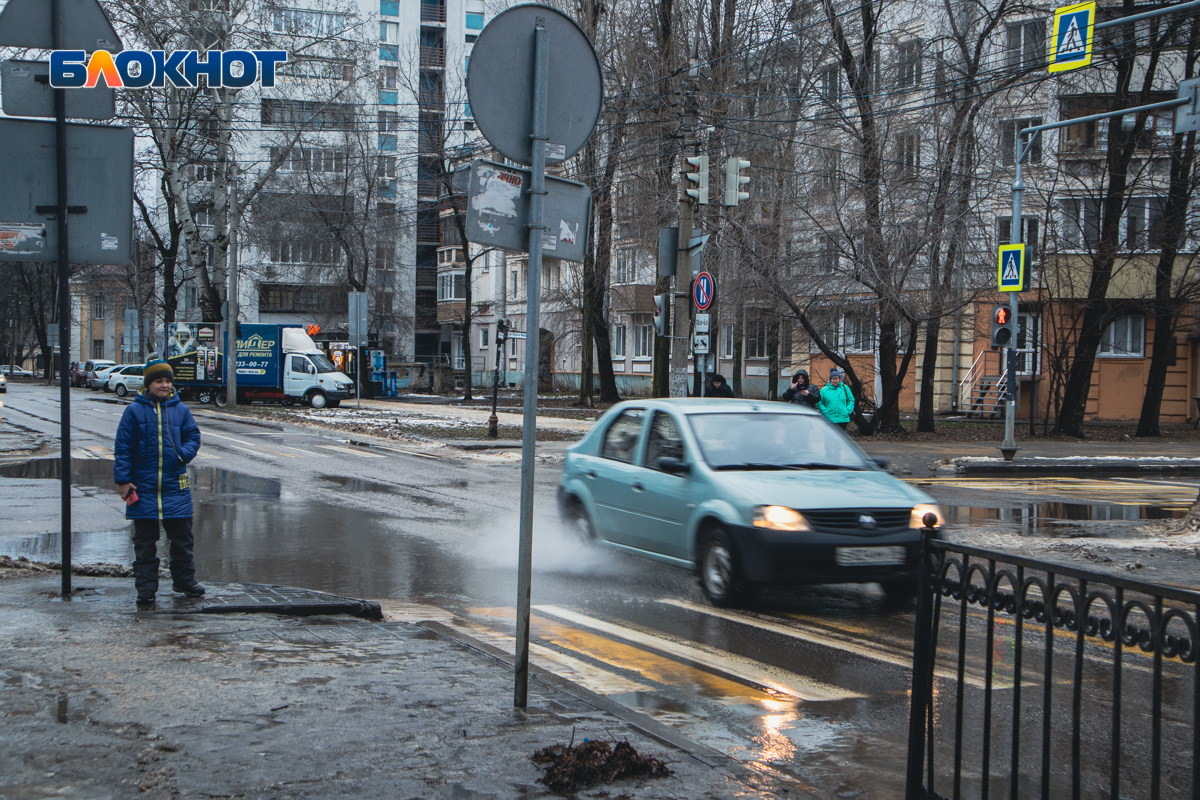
(1015, 233)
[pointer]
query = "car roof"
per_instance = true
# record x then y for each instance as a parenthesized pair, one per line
(709, 405)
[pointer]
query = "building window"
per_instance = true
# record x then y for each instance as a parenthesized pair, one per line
(97, 349)
(452, 286)
(1081, 223)
(389, 32)
(623, 271)
(512, 347)
(389, 77)
(301, 298)
(1144, 223)
(618, 341)
(727, 341)
(858, 333)
(1125, 337)
(202, 215)
(472, 38)
(829, 80)
(643, 341)
(908, 67)
(1029, 234)
(908, 154)
(829, 254)
(203, 172)
(483, 337)
(300, 22)
(304, 250)
(756, 338)
(309, 159)
(514, 284)
(1008, 135)
(307, 114)
(97, 306)
(389, 121)
(1025, 47)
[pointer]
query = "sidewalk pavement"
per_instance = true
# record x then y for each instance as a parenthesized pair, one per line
(102, 701)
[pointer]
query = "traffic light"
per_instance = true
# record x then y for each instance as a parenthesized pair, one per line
(695, 170)
(501, 330)
(735, 180)
(1004, 329)
(660, 314)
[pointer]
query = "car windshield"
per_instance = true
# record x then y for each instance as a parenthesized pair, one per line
(323, 363)
(765, 441)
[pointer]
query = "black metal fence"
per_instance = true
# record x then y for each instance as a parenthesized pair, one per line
(1036, 680)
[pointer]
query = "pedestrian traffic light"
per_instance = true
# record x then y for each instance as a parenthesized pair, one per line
(660, 314)
(695, 170)
(735, 180)
(1003, 327)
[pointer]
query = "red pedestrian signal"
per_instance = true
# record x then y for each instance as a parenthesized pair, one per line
(1003, 329)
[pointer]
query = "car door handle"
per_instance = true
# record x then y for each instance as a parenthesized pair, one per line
(589, 473)
(637, 487)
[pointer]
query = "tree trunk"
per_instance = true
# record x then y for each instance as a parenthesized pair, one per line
(586, 338)
(933, 329)
(661, 385)
(735, 380)
(773, 359)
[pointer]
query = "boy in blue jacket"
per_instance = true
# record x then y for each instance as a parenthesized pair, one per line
(156, 439)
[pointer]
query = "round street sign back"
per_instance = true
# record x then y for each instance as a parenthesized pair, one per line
(704, 290)
(500, 84)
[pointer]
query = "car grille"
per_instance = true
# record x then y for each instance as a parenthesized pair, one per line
(848, 520)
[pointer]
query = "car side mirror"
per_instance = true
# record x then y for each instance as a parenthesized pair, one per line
(880, 462)
(673, 466)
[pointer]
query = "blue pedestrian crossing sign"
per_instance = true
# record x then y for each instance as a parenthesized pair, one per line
(1071, 43)
(1012, 267)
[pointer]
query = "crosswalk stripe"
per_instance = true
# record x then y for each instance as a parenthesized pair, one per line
(719, 661)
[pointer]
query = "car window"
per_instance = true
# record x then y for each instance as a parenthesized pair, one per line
(766, 440)
(620, 441)
(135, 371)
(299, 364)
(663, 440)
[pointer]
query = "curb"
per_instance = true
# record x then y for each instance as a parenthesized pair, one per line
(1107, 467)
(363, 609)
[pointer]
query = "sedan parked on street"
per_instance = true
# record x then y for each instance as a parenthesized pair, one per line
(124, 379)
(88, 372)
(743, 493)
(16, 373)
(98, 378)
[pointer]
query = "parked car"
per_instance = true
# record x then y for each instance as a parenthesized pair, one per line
(743, 493)
(3, 383)
(89, 370)
(16, 373)
(99, 376)
(125, 379)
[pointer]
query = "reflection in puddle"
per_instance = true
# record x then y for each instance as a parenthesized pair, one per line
(1044, 517)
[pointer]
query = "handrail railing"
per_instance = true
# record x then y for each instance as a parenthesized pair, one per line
(1052, 681)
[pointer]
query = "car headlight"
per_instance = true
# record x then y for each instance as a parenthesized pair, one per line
(917, 520)
(779, 518)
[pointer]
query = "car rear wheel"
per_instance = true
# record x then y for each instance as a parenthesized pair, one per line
(577, 522)
(121, 390)
(719, 575)
(288, 402)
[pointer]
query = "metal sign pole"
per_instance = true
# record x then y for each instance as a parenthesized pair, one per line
(64, 306)
(1015, 233)
(537, 191)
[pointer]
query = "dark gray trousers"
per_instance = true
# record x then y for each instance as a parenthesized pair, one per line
(145, 553)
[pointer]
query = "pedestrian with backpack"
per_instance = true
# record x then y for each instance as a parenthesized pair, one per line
(156, 439)
(837, 401)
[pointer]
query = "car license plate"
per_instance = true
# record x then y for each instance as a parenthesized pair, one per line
(868, 556)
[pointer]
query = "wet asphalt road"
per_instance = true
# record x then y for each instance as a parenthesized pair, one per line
(812, 682)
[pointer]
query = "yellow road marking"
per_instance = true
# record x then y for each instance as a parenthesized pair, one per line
(710, 658)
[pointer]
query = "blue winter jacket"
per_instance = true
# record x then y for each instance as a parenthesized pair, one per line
(155, 442)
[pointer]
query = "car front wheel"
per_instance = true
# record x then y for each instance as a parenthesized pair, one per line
(317, 399)
(719, 575)
(903, 592)
(577, 522)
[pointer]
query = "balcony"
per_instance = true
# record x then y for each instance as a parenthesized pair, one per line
(431, 12)
(433, 57)
(431, 100)
(429, 232)
(428, 187)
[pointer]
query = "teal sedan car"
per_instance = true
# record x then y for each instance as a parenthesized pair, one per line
(743, 492)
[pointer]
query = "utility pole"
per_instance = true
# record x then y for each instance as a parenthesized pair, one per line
(677, 375)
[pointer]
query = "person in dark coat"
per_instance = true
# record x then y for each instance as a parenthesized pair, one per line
(801, 392)
(718, 388)
(156, 439)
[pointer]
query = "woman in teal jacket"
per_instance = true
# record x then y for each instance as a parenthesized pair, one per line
(837, 401)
